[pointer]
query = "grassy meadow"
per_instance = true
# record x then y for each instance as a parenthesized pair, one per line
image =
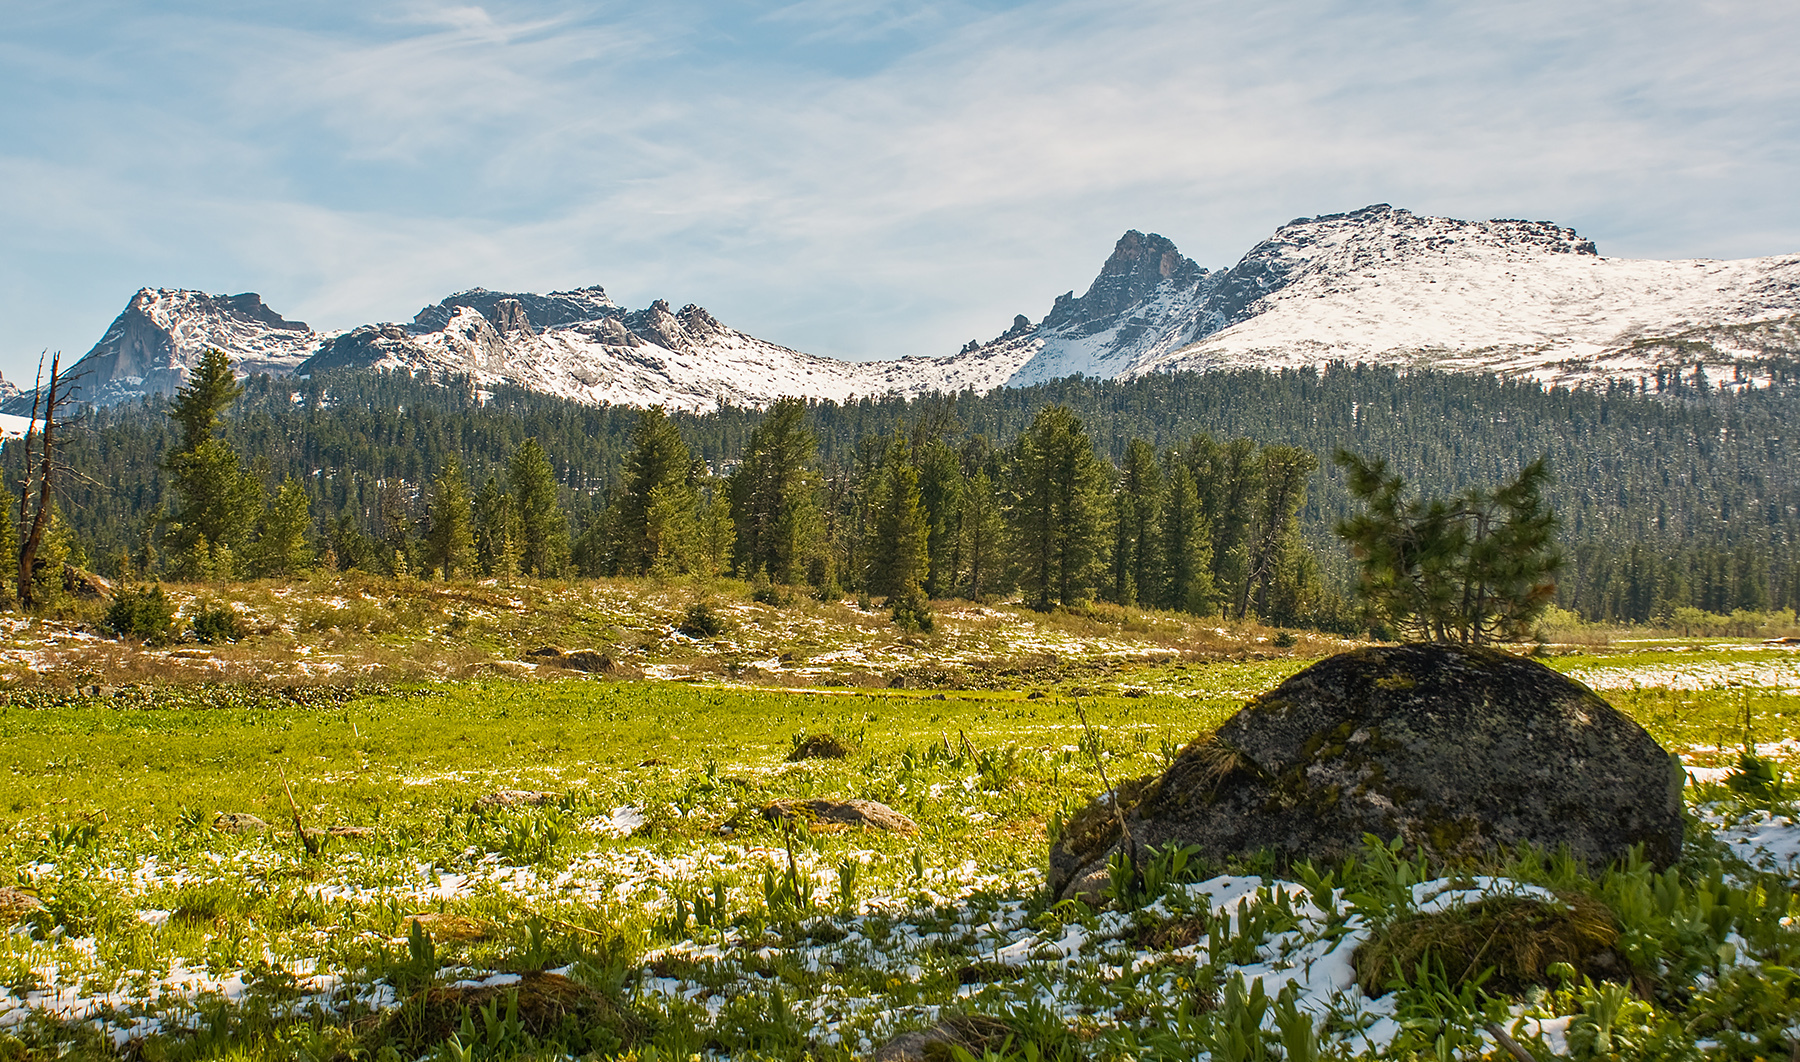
(468, 851)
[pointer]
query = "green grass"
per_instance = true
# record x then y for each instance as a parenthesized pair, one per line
(791, 945)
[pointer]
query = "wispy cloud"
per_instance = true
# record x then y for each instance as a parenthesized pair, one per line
(972, 161)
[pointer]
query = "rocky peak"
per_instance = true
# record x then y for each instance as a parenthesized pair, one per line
(508, 315)
(554, 310)
(1139, 266)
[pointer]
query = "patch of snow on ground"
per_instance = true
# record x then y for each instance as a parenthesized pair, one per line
(1760, 674)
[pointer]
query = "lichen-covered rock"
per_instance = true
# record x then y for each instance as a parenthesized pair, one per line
(1459, 751)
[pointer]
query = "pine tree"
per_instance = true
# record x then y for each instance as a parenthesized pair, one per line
(774, 504)
(1470, 569)
(983, 546)
(281, 547)
(496, 532)
(1137, 501)
(1186, 541)
(657, 476)
(450, 540)
(218, 500)
(543, 529)
(1058, 511)
(197, 405)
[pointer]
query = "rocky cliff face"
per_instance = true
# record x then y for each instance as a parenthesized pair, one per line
(1376, 285)
(159, 338)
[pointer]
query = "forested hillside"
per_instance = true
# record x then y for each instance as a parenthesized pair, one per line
(1684, 498)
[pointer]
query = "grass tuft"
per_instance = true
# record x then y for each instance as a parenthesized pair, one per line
(1516, 937)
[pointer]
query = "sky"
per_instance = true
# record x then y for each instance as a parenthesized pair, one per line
(851, 178)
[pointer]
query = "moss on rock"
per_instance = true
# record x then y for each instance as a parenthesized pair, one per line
(1460, 751)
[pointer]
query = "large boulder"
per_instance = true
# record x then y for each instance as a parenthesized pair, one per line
(1459, 751)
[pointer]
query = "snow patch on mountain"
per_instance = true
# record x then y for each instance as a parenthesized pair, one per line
(1508, 297)
(1375, 285)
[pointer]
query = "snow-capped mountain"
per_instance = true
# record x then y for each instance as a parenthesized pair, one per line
(1383, 285)
(159, 338)
(1374, 285)
(1508, 297)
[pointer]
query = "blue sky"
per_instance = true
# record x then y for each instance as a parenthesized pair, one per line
(855, 178)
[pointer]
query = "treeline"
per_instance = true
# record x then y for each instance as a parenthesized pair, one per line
(1205, 527)
(1685, 499)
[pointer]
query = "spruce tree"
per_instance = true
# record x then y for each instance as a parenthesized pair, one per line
(450, 540)
(653, 514)
(543, 529)
(774, 504)
(1137, 501)
(281, 548)
(1058, 511)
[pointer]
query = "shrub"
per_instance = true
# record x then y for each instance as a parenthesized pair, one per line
(217, 624)
(912, 612)
(817, 747)
(701, 621)
(143, 613)
(770, 594)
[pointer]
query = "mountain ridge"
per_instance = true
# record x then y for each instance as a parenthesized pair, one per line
(1379, 285)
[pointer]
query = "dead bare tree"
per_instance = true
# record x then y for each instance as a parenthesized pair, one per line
(54, 398)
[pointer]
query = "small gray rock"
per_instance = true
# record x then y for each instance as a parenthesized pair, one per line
(239, 822)
(822, 812)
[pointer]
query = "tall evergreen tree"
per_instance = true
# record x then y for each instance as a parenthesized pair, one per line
(941, 490)
(281, 547)
(543, 529)
(773, 497)
(899, 529)
(450, 540)
(1058, 510)
(1137, 501)
(1186, 541)
(1275, 534)
(653, 517)
(983, 548)
(219, 501)
(496, 528)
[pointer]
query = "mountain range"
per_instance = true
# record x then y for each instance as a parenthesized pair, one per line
(1376, 285)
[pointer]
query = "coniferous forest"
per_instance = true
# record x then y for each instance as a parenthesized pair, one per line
(1212, 493)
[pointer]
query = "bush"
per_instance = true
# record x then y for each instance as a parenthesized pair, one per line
(141, 613)
(912, 612)
(770, 594)
(220, 623)
(701, 621)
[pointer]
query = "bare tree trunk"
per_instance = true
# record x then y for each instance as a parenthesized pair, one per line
(28, 551)
(37, 395)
